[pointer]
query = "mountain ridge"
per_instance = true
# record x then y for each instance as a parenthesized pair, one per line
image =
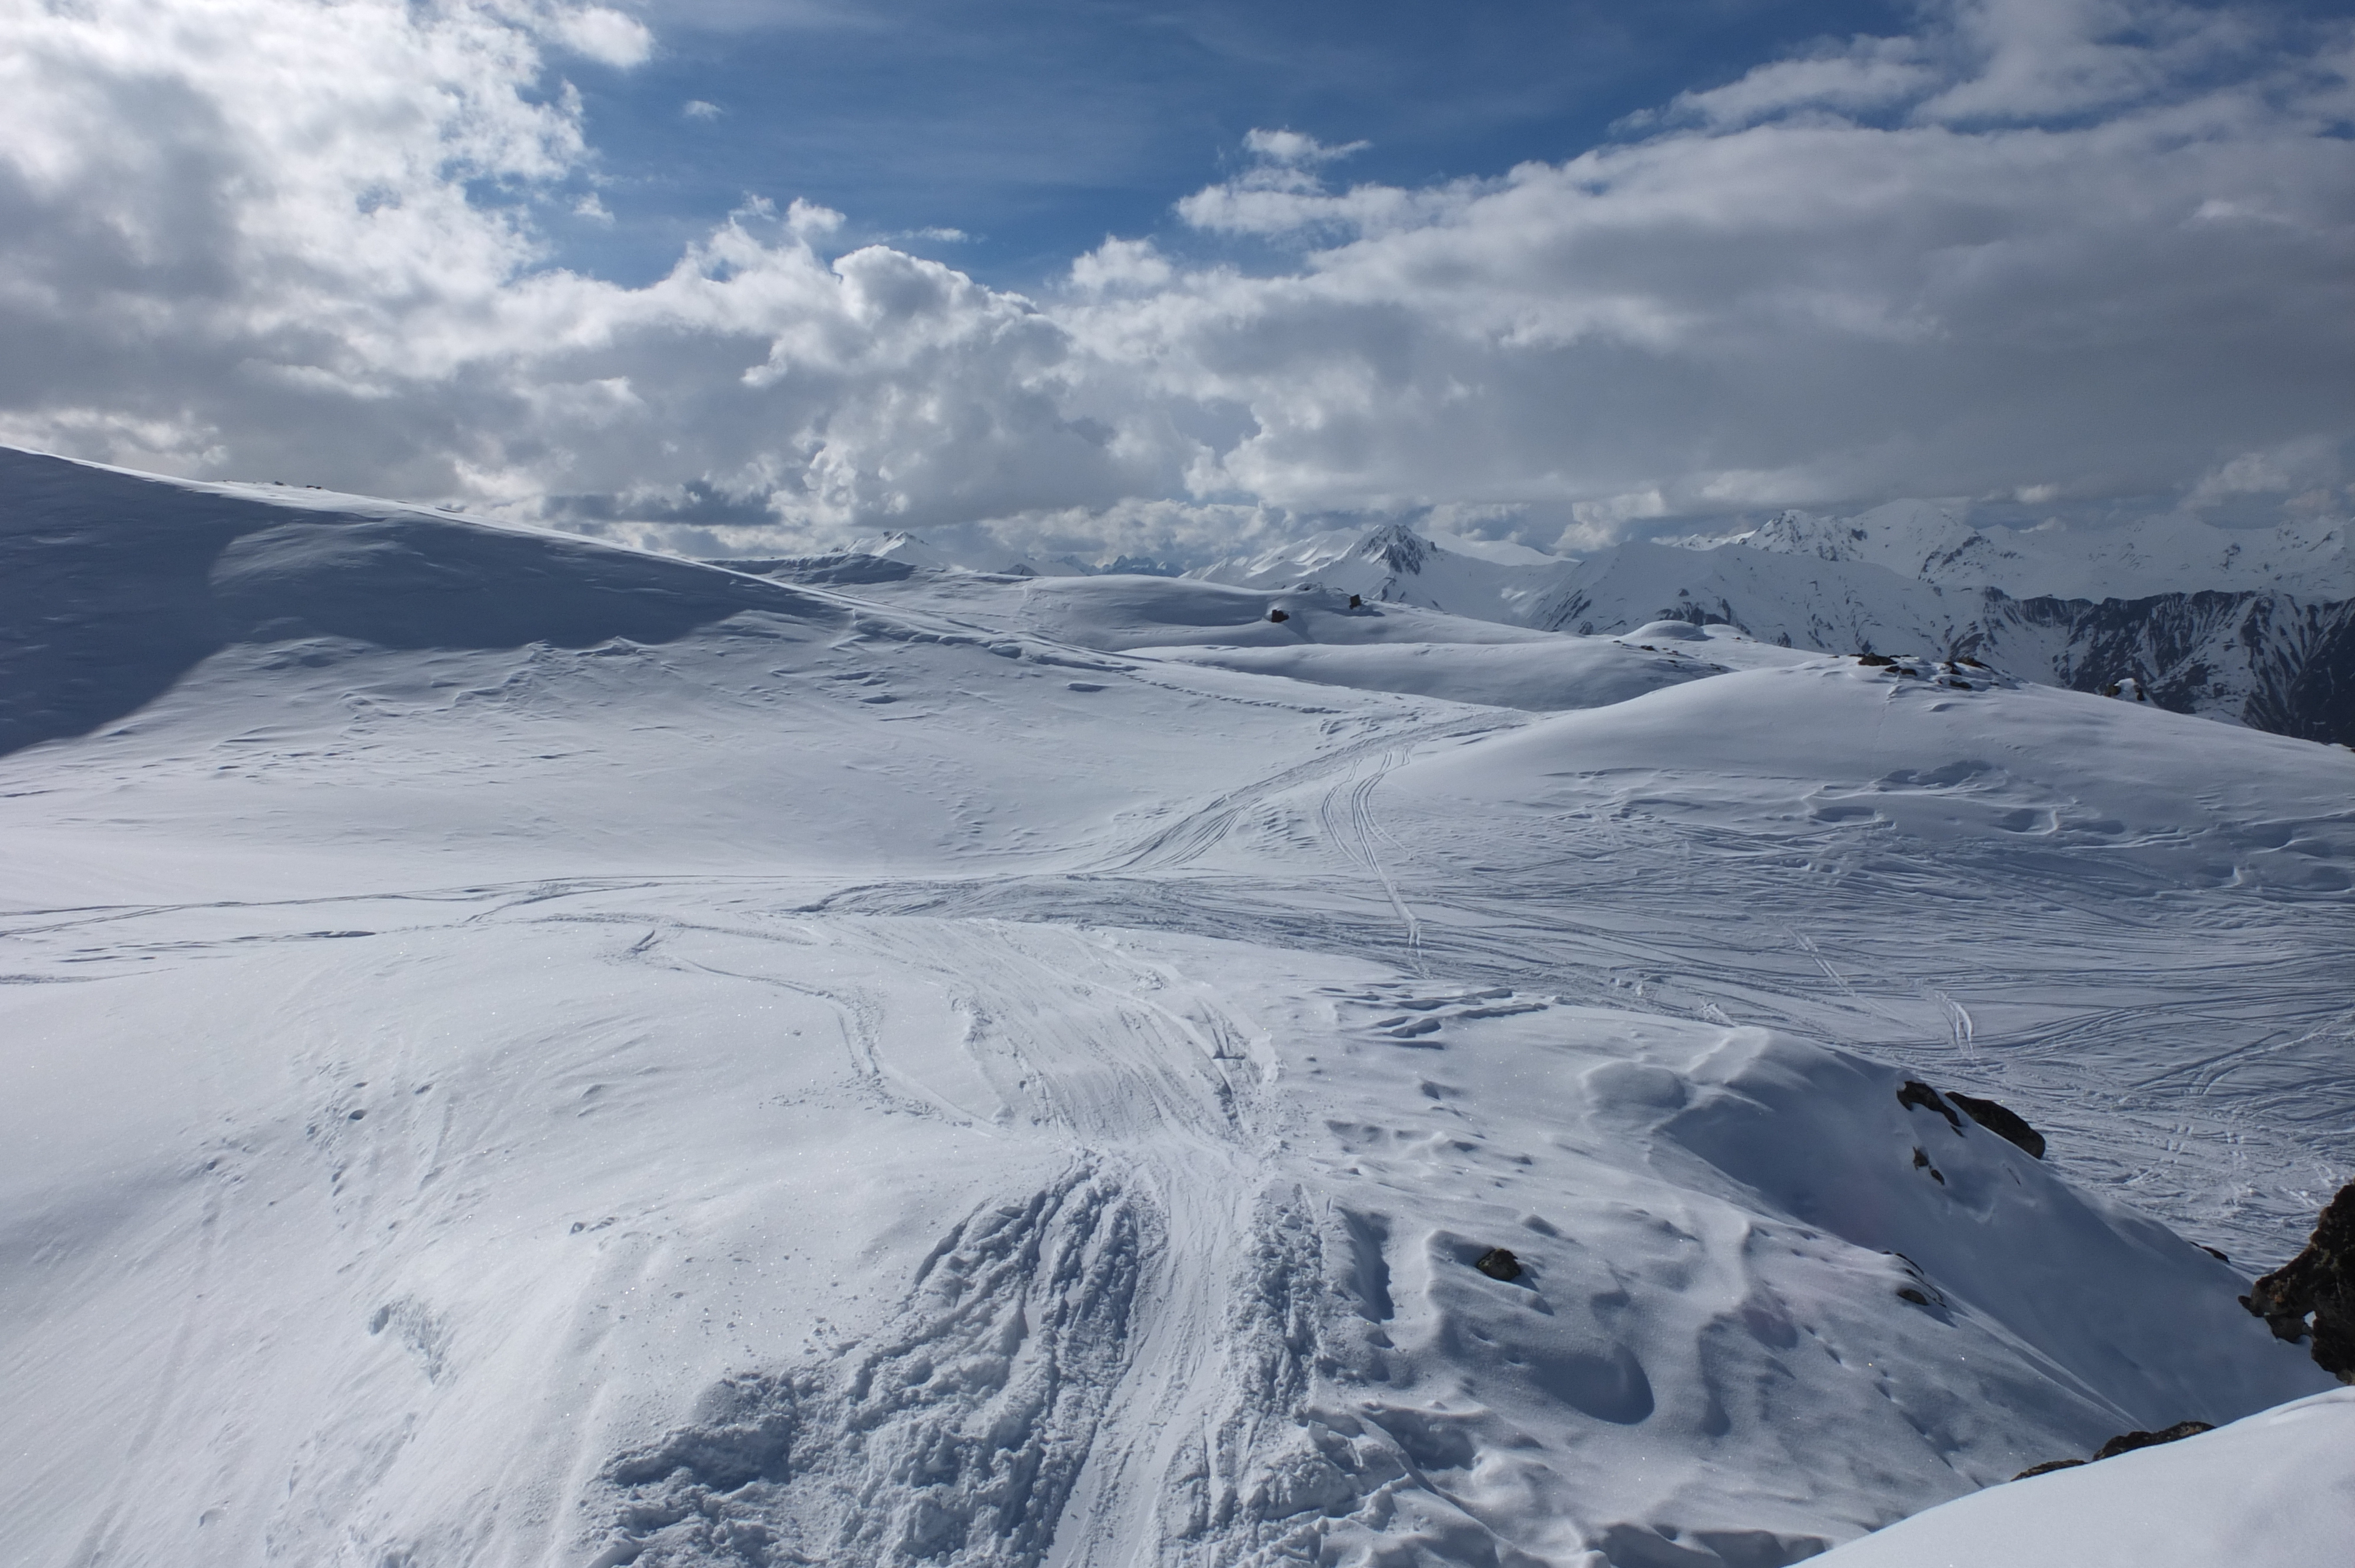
(2276, 658)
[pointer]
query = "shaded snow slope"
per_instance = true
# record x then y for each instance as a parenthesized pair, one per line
(970, 1070)
(107, 598)
(2275, 1488)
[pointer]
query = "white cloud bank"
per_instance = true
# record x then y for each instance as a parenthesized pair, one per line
(2054, 250)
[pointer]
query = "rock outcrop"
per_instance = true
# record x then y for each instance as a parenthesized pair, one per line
(2314, 1293)
(2124, 1443)
(2001, 1122)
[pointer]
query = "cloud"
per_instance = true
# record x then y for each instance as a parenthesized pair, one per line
(1293, 149)
(2068, 250)
(2107, 272)
(607, 37)
(696, 109)
(1867, 74)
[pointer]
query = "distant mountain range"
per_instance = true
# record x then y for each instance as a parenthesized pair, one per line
(2257, 626)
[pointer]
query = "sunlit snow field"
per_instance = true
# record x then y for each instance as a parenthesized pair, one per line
(523, 1052)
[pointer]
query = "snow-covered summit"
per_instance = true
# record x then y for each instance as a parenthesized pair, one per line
(1392, 563)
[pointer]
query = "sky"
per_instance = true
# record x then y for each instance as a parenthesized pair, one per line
(1054, 276)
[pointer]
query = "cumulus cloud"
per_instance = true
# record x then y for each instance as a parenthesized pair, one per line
(2076, 248)
(604, 36)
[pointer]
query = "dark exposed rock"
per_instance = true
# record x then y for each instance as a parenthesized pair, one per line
(1875, 658)
(2127, 1442)
(2314, 1293)
(1278, 615)
(1498, 1264)
(2124, 1443)
(2003, 1123)
(1914, 1092)
(2212, 1252)
(1398, 547)
(1907, 1293)
(2271, 661)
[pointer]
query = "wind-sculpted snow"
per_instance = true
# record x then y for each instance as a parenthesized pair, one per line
(963, 1070)
(959, 1436)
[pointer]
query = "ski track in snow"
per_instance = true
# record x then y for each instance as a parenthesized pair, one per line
(1058, 1135)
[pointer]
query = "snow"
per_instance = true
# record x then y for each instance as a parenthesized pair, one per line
(523, 1051)
(2253, 627)
(1395, 564)
(1936, 543)
(2274, 1488)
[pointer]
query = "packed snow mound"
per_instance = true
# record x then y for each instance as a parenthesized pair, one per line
(1947, 753)
(2272, 1490)
(1712, 1227)
(1551, 676)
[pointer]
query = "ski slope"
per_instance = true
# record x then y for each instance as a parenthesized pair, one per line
(524, 1052)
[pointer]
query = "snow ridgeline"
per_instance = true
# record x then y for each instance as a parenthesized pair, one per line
(525, 1052)
(2253, 626)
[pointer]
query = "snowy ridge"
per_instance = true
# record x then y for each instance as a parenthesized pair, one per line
(526, 1052)
(1933, 543)
(2269, 661)
(2253, 627)
(1393, 564)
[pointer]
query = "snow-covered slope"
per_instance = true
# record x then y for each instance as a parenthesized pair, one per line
(526, 1052)
(2257, 626)
(1393, 564)
(2274, 1490)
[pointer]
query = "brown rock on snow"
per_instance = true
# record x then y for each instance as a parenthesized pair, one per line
(2127, 1442)
(2314, 1293)
(1498, 1264)
(2124, 1443)
(1914, 1092)
(2002, 1122)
